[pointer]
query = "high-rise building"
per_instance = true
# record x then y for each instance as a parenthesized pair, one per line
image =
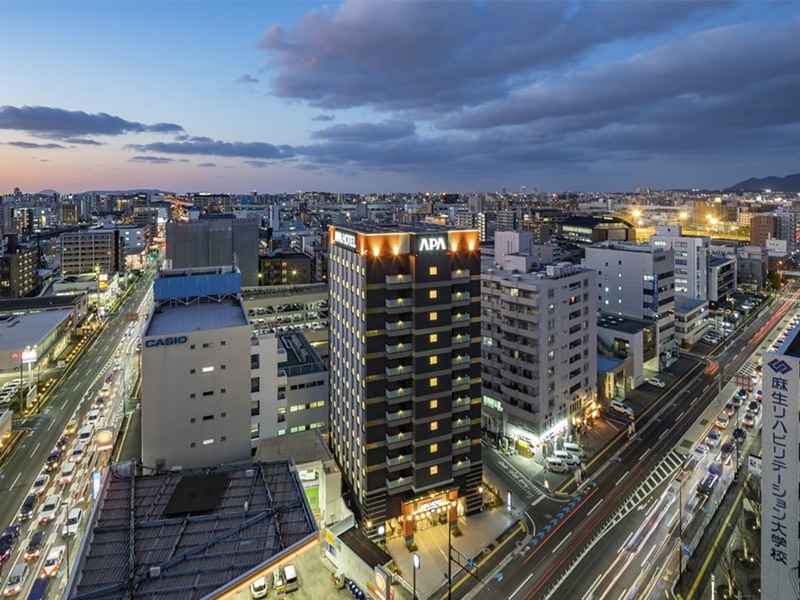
(405, 371)
(93, 251)
(691, 259)
(780, 471)
(539, 363)
(637, 281)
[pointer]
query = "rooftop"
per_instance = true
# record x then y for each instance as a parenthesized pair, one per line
(18, 331)
(188, 534)
(301, 447)
(197, 316)
(301, 358)
(415, 227)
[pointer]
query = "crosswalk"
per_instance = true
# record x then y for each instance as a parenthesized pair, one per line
(665, 469)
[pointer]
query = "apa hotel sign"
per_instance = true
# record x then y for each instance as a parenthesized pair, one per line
(432, 243)
(343, 238)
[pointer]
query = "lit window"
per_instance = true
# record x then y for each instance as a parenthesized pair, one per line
(435, 426)
(208, 369)
(434, 315)
(434, 381)
(434, 469)
(208, 442)
(433, 294)
(433, 270)
(434, 448)
(433, 360)
(434, 404)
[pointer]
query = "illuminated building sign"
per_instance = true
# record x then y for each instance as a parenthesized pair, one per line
(432, 244)
(167, 341)
(348, 240)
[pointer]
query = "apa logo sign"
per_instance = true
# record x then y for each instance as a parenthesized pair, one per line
(348, 240)
(432, 244)
(167, 341)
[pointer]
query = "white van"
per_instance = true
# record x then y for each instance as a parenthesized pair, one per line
(574, 449)
(85, 434)
(556, 465)
(569, 459)
(290, 576)
(622, 408)
(16, 580)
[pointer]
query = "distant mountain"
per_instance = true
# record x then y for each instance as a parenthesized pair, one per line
(48, 193)
(790, 183)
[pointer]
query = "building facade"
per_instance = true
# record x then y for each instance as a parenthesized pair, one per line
(691, 259)
(405, 372)
(93, 251)
(539, 352)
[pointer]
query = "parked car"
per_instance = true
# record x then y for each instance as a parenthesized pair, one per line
(656, 382)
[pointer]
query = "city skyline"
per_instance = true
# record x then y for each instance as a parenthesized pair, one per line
(360, 97)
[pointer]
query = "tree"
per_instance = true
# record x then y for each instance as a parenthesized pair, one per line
(727, 564)
(752, 493)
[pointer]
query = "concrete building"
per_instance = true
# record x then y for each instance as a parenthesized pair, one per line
(691, 320)
(211, 241)
(691, 259)
(92, 251)
(637, 281)
(539, 353)
(19, 264)
(780, 471)
(405, 371)
(285, 267)
(196, 371)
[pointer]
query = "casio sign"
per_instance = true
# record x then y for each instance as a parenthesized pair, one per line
(432, 244)
(167, 341)
(347, 240)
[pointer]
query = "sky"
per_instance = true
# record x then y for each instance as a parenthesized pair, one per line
(378, 96)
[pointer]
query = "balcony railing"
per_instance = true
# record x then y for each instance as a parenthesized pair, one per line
(461, 359)
(460, 465)
(397, 417)
(460, 339)
(398, 302)
(398, 393)
(461, 444)
(462, 402)
(398, 460)
(398, 439)
(398, 348)
(393, 484)
(398, 370)
(397, 279)
(460, 274)
(461, 317)
(461, 383)
(398, 326)
(461, 424)
(459, 297)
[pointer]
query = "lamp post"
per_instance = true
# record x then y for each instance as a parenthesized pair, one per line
(416, 562)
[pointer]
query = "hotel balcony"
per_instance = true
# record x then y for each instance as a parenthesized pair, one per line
(462, 403)
(398, 440)
(460, 340)
(398, 327)
(460, 298)
(399, 349)
(462, 317)
(460, 274)
(461, 465)
(399, 483)
(399, 393)
(461, 445)
(461, 383)
(398, 371)
(462, 359)
(398, 303)
(399, 417)
(398, 462)
(395, 280)
(461, 425)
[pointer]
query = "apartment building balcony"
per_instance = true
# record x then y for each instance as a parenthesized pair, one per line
(399, 439)
(398, 371)
(399, 483)
(397, 280)
(460, 299)
(462, 359)
(462, 402)
(461, 317)
(282, 377)
(397, 303)
(460, 274)
(396, 463)
(460, 425)
(460, 340)
(398, 327)
(461, 383)
(398, 417)
(399, 349)
(461, 446)
(461, 465)
(399, 393)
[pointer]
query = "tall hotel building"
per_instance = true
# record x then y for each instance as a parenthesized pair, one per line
(780, 471)
(405, 372)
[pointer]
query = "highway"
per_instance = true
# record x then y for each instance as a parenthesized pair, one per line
(577, 538)
(111, 356)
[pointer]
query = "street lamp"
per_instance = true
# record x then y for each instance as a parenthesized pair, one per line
(416, 562)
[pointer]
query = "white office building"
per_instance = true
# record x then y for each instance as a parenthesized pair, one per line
(780, 471)
(691, 259)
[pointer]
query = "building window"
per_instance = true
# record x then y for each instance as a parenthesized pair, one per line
(222, 367)
(208, 345)
(434, 404)
(255, 384)
(192, 395)
(223, 415)
(255, 361)
(208, 418)
(209, 393)
(434, 315)
(207, 369)
(208, 442)
(433, 360)
(192, 371)
(192, 445)
(434, 469)
(433, 294)
(434, 448)
(434, 425)
(433, 338)
(433, 270)
(192, 420)
(433, 381)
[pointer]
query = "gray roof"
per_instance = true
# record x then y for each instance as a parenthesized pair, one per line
(18, 331)
(246, 517)
(198, 316)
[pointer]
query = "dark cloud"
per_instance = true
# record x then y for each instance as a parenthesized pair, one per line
(208, 147)
(45, 121)
(246, 79)
(206, 164)
(323, 118)
(83, 141)
(29, 145)
(257, 164)
(153, 160)
(366, 132)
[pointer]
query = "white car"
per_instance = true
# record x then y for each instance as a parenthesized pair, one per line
(73, 523)
(259, 588)
(49, 508)
(656, 382)
(40, 484)
(713, 438)
(53, 561)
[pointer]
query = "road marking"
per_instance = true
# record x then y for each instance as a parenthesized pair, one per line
(647, 558)
(595, 506)
(35, 449)
(641, 458)
(521, 585)
(561, 542)
(624, 475)
(11, 487)
(51, 425)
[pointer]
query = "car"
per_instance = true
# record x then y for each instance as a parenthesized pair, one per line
(749, 419)
(759, 396)
(40, 484)
(49, 508)
(5, 552)
(699, 453)
(10, 535)
(729, 409)
(73, 522)
(622, 408)
(722, 421)
(656, 382)
(77, 453)
(35, 545)
(100, 400)
(713, 438)
(754, 407)
(259, 588)
(27, 508)
(739, 435)
(72, 427)
(62, 442)
(736, 401)
(725, 453)
(53, 460)
(53, 561)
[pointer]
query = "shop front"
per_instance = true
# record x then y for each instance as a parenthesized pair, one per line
(432, 510)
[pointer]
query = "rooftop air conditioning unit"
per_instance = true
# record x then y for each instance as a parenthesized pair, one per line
(155, 571)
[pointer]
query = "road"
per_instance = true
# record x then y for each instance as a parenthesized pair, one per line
(73, 396)
(581, 533)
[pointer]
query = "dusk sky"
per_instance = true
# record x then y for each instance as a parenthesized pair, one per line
(387, 95)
